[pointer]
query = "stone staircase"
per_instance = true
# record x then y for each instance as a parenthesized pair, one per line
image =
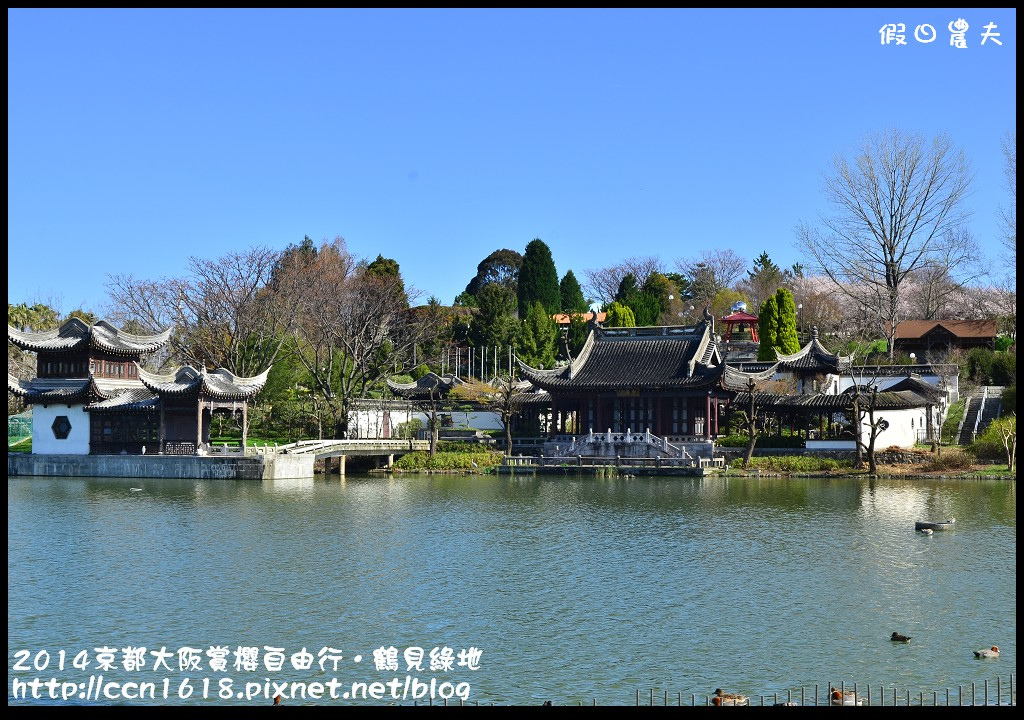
(983, 407)
(993, 407)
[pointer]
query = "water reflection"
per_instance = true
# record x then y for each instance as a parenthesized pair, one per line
(573, 589)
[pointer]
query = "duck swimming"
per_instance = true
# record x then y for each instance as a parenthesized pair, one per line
(897, 637)
(838, 697)
(987, 653)
(724, 698)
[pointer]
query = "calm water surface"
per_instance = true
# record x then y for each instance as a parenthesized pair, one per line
(573, 590)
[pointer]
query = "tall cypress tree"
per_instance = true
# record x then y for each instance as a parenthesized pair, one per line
(572, 294)
(767, 329)
(776, 325)
(786, 338)
(538, 338)
(538, 279)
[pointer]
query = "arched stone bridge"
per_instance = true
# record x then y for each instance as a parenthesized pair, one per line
(327, 450)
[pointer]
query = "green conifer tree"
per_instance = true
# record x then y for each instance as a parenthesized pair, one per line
(767, 328)
(572, 294)
(646, 309)
(619, 315)
(538, 337)
(786, 338)
(538, 279)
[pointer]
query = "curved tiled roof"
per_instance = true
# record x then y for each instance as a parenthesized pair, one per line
(220, 384)
(421, 389)
(70, 336)
(533, 397)
(137, 400)
(44, 391)
(740, 317)
(814, 357)
(49, 390)
(106, 337)
(737, 380)
(898, 400)
(75, 334)
(917, 384)
(640, 358)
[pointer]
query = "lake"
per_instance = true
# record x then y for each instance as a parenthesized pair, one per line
(525, 589)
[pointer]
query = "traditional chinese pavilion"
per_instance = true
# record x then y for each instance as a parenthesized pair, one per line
(91, 395)
(671, 381)
(739, 322)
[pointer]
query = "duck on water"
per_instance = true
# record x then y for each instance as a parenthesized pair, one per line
(922, 525)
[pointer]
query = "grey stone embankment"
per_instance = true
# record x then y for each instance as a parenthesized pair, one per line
(250, 467)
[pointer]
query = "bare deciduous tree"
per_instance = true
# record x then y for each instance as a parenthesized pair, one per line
(710, 273)
(352, 328)
(222, 313)
(603, 283)
(504, 397)
(895, 203)
(933, 292)
(1008, 433)
(1010, 213)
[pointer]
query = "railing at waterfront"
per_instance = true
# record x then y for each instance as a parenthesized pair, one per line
(988, 694)
(618, 461)
(985, 693)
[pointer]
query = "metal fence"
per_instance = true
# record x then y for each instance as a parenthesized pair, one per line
(999, 692)
(19, 428)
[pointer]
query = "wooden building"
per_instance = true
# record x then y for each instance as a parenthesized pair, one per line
(671, 381)
(92, 396)
(927, 337)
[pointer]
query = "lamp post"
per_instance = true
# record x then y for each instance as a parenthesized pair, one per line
(913, 358)
(800, 322)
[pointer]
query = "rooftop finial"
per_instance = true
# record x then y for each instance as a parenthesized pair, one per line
(709, 318)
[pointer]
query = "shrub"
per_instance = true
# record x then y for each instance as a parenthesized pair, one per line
(420, 461)
(768, 441)
(793, 463)
(1004, 369)
(409, 429)
(1003, 342)
(952, 421)
(951, 459)
(989, 445)
(978, 367)
(1010, 399)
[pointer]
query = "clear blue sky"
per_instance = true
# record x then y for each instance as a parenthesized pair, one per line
(138, 138)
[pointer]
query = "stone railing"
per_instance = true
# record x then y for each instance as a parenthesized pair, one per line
(612, 444)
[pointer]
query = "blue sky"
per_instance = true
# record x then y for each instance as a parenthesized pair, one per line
(139, 138)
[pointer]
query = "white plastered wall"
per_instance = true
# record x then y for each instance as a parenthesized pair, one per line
(43, 440)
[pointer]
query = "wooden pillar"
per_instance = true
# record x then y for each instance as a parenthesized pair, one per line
(245, 424)
(553, 425)
(707, 418)
(162, 432)
(199, 424)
